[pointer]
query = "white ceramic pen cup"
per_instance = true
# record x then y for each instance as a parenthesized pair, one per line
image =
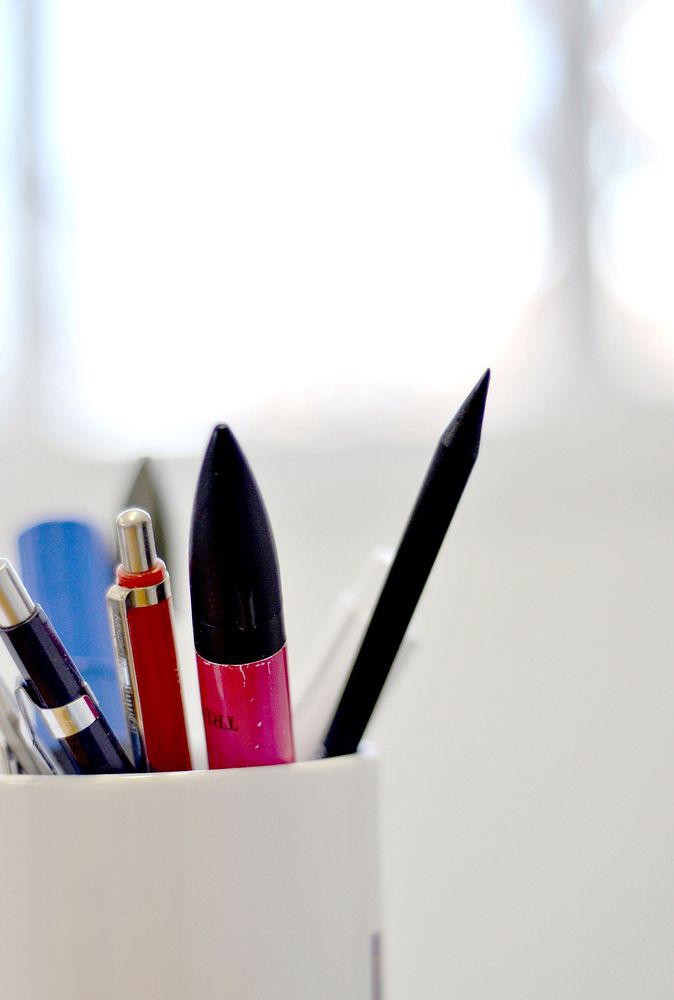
(252, 884)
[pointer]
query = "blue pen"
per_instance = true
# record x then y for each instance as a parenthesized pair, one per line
(67, 569)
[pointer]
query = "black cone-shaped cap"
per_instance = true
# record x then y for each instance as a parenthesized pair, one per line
(235, 584)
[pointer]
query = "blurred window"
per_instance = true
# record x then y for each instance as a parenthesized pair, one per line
(303, 217)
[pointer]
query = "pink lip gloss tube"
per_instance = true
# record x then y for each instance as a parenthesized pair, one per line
(237, 615)
(245, 708)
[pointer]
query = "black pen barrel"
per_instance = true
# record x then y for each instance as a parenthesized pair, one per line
(43, 660)
(54, 683)
(96, 750)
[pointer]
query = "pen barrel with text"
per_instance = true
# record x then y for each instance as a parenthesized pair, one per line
(246, 709)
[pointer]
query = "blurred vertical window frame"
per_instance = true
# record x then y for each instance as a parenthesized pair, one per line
(12, 246)
(25, 306)
(633, 221)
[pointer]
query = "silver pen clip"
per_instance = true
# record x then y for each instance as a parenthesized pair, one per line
(40, 760)
(119, 601)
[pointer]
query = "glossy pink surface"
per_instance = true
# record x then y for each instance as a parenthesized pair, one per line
(246, 708)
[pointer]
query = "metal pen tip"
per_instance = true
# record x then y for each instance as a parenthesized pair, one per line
(16, 604)
(136, 540)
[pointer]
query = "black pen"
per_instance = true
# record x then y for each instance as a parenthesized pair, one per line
(53, 682)
(438, 498)
(144, 493)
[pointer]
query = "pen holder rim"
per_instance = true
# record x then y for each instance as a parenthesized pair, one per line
(367, 751)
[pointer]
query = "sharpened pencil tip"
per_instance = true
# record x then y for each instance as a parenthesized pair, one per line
(467, 421)
(141, 479)
(144, 492)
(481, 386)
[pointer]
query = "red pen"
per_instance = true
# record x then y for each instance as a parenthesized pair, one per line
(141, 618)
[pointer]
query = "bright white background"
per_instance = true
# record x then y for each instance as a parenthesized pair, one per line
(321, 224)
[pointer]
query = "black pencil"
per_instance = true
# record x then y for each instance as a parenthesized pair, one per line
(431, 516)
(145, 493)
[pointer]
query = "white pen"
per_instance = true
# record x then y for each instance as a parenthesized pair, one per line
(333, 653)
